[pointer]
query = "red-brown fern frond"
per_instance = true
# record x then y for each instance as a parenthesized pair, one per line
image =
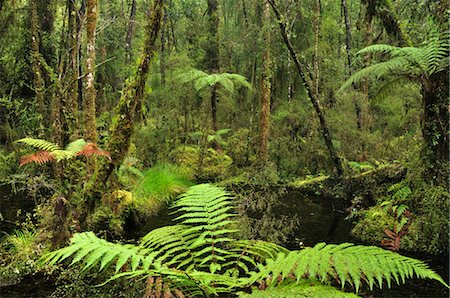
(39, 157)
(91, 149)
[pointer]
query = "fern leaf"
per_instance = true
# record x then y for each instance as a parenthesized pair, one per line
(39, 157)
(39, 144)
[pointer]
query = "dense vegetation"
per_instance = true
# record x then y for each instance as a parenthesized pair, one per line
(119, 118)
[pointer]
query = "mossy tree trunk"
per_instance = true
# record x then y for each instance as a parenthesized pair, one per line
(90, 133)
(70, 100)
(130, 30)
(38, 80)
(435, 126)
(129, 105)
(265, 87)
(310, 92)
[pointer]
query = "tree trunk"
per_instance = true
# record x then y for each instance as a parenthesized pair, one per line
(212, 54)
(314, 100)
(129, 103)
(316, 25)
(90, 133)
(36, 65)
(130, 31)
(265, 88)
(348, 47)
(435, 126)
(70, 101)
(162, 59)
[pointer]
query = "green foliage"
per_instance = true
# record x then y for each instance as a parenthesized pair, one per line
(306, 288)
(159, 184)
(201, 257)
(201, 80)
(206, 164)
(18, 254)
(51, 151)
(405, 62)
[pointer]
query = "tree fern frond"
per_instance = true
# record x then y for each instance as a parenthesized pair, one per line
(391, 67)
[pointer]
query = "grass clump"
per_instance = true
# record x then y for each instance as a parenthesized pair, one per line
(161, 183)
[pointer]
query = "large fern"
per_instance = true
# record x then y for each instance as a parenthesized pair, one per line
(200, 255)
(411, 63)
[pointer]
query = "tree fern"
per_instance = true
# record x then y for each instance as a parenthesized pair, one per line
(407, 62)
(200, 255)
(202, 80)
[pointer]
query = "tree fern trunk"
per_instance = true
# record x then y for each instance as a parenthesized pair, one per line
(212, 54)
(435, 126)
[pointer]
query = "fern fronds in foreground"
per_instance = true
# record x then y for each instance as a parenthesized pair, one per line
(200, 256)
(346, 262)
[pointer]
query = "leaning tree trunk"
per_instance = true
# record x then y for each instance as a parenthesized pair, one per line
(130, 31)
(129, 105)
(435, 126)
(265, 88)
(309, 90)
(36, 65)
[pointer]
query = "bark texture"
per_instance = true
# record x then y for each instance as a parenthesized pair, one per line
(131, 25)
(38, 80)
(89, 105)
(265, 88)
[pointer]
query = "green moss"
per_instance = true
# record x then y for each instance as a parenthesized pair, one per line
(305, 288)
(207, 164)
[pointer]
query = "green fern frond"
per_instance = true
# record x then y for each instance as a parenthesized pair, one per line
(92, 250)
(347, 263)
(39, 144)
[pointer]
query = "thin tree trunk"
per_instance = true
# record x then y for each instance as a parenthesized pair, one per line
(70, 106)
(162, 60)
(90, 133)
(315, 102)
(36, 65)
(131, 25)
(212, 54)
(265, 88)
(348, 47)
(129, 104)
(316, 25)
